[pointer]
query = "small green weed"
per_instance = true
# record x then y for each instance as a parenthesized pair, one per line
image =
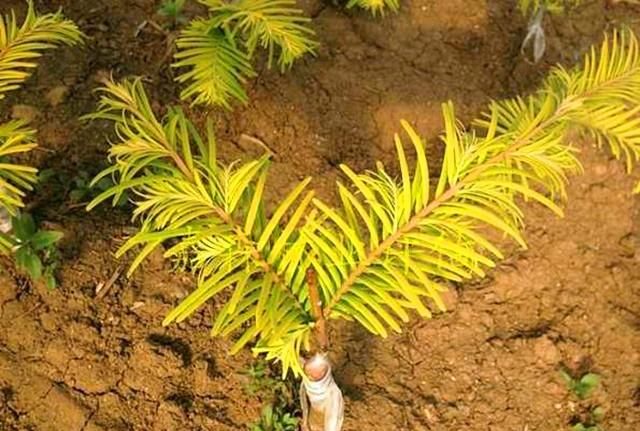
(84, 190)
(591, 423)
(582, 387)
(35, 251)
(278, 396)
(261, 380)
(81, 186)
(274, 419)
(173, 10)
(45, 175)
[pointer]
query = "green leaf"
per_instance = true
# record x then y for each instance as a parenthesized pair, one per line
(597, 414)
(45, 239)
(50, 280)
(45, 175)
(24, 227)
(76, 195)
(171, 8)
(28, 260)
(586, 385)
(256, 202)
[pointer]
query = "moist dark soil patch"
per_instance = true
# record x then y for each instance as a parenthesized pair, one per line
(73, 360)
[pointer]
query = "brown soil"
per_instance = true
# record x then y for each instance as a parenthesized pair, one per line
(70, 360)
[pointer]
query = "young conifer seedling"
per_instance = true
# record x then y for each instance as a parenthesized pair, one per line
(388, 251)
(216, 52)
(20, 45)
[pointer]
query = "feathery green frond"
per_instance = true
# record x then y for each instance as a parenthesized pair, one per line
(402, 243)
(214, 215)
(393, 248)
(270, 24)
(599, 99)
(375, 6)
(15, 179)
(21, 44)
(611, 80)
(217, 51)
(217, 69)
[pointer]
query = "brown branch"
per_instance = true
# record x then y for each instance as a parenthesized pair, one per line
(320, 327)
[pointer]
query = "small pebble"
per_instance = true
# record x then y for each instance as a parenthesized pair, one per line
(57, 95)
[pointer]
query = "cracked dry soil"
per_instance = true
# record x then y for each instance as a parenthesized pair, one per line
(73, 360)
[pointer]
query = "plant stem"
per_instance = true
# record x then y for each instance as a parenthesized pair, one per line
(320, 328)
